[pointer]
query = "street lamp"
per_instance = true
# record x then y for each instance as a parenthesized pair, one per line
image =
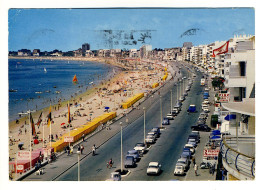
(121, 148)
(171, 100)
(161, 109)
(78, 152)
(144, 123)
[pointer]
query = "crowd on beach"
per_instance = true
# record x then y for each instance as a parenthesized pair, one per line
(109, 94)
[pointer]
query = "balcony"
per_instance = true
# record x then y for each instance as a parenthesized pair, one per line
(238, 156)
(239, 81)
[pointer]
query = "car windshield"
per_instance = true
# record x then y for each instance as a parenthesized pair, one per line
(129, 158)
(178, 167)
(153, 166)
(140, 145)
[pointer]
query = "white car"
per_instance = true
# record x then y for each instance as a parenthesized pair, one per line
(141, 148)
(150, 139)
(154, 168)
(183, 162)
(170, 116)
(190, 146)
(179, 170)
(206, 101)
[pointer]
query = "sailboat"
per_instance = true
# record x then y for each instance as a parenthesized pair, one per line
(75, 80)
(45, 70)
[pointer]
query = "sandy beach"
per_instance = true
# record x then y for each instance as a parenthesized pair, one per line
(89, 104)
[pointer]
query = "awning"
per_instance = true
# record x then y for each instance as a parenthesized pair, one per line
(230, 116)
(247, 106)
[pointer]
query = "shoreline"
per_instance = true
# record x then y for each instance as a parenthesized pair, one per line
(91, 104)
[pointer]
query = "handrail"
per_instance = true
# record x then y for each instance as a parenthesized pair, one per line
(224, 142)
(237, 161)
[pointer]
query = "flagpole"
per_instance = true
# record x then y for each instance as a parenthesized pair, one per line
(69, 118)
(42, 131)
(50, 129)
(30, 140)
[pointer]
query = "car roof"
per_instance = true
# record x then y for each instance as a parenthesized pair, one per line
(132, 151)
(182, 159)
(153, 163)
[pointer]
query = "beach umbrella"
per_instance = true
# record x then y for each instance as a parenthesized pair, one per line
(36, 141)
(62, 124)
(106, 108)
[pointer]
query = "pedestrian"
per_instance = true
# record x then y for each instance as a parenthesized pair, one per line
(83, 136)
(25, 130)
(196, 169)
(78, 148)
(81, 149)
(193, 161)
(68, 150)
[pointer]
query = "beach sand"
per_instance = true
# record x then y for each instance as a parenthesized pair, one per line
(91, 104)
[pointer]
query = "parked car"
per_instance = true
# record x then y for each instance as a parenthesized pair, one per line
(165, 121)
(114, 176)
(150, 139)
(129, 161)
(182, 98)
(179, 170)
(192, 142)
(175, 111)
(157, 131)
(206, 110)
(183, 162)
(194, 136)
(154, 168)
(196, 133)
(206, 101)
(141, 148)
(170, 116)
(134, 153)
(190, 146)
(201, 128)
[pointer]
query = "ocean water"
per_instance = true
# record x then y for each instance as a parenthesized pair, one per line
(35, 88)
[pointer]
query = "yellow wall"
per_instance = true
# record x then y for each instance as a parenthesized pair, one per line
(132, 100)
(84, 129)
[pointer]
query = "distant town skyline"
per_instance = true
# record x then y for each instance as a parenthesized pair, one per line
(68, 29)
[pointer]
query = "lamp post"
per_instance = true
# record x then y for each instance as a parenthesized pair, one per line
(171, 101)
(121, 148)
(144, 123)
(161, 109)
(78, 152)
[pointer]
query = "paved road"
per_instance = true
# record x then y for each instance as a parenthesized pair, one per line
(166, 150)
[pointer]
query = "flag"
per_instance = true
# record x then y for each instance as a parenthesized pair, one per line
(39, 120)
(222, 49)
(69, 120)
(32, 125)
(49, 117)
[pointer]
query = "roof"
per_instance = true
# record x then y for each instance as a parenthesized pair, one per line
(247, 106)
(153, 164)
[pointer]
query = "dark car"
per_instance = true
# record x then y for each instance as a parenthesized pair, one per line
(129, 161)
(157, 131)
(201, 128)
(194, 136)
(165, 121)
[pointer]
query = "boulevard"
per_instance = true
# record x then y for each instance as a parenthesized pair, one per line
(166, 150)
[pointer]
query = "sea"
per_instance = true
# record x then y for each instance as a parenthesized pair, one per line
(35, 84)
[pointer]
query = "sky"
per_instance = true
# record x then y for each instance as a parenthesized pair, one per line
(68, 29)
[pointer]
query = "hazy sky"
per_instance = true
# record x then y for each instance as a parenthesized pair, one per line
(68, 29)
